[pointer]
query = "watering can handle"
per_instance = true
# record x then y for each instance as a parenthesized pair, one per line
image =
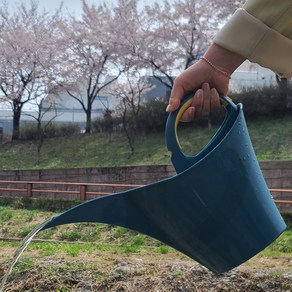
(179, 160)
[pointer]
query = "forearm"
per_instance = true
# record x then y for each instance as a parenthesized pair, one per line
(273, 13)
(261, 31)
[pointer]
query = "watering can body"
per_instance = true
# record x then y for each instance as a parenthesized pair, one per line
(217, 209)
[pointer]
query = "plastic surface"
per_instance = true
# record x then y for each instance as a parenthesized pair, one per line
(217, 209)
(180, 161)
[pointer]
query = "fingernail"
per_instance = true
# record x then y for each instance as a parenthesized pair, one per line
(168, 108)
(191, 113)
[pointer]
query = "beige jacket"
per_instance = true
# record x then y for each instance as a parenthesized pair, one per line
(261, 31)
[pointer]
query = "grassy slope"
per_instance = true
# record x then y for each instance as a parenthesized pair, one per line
(271, 137)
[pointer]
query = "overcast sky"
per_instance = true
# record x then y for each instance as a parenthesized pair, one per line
(69, 6)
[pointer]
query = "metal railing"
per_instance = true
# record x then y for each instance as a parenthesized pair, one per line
(29, 188)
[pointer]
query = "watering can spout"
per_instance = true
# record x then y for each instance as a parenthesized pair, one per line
(216, 210)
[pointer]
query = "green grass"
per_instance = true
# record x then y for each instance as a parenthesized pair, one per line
(72, 239)
(5, 214)
(282, 245)
(271, 137)
(98, 236)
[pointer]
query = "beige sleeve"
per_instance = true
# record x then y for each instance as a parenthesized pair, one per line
(262, 34)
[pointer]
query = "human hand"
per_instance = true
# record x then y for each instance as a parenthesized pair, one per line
(206, 82)
(215, 73)
(205, 101)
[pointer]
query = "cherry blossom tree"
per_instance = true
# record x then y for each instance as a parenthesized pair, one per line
(89, 62)
(27, 52)
(85, 56)
(130, 28)
(169, 36)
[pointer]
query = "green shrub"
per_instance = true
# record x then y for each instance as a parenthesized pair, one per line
(105, 124)
(152, 117)
(30, 132)
(266, 101)
(61, 130)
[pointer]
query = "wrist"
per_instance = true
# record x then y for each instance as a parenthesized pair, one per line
(216, 68)
(223, 59)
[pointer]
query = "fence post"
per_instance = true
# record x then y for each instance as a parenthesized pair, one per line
(29, 189)
(82, 192)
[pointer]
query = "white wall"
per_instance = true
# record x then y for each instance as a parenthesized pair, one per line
(251, 75)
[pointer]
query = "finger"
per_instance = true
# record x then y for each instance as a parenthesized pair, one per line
(173, 104)
(206, 87)
(215, 100)
(176, 96)
(205, 112)
(197, 103)
(188, 115)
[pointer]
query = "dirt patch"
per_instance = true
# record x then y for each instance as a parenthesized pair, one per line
(103, 271)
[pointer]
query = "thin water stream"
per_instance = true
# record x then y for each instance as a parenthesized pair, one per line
(20, 250)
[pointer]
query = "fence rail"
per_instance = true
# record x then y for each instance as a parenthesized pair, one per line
(82, 189)
(279, 201)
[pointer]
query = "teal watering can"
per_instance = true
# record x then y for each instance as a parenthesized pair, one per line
(217, 209)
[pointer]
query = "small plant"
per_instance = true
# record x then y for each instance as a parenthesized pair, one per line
(119, 232)
(29, 216)
(178, 274)
(163, 249)
(70, 235)
(5, 229)
(47, 234)
(90, 236)
(24, 231)
(5, 214)
(73, 251)
(139, 239)
(24, 264)
(129, 248)
(283, 244)
(89, 231)
(48, 249)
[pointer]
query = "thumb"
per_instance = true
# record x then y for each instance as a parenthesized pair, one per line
(176, 96)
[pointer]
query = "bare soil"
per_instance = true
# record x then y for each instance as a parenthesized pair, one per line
(104, 271)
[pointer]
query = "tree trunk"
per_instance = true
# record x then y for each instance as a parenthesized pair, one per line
(88, 120)
(129, 136)
(40, 141)
(16, 122)
(126, 129)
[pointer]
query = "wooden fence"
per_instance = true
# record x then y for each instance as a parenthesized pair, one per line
(84, 190)
(35, 188)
